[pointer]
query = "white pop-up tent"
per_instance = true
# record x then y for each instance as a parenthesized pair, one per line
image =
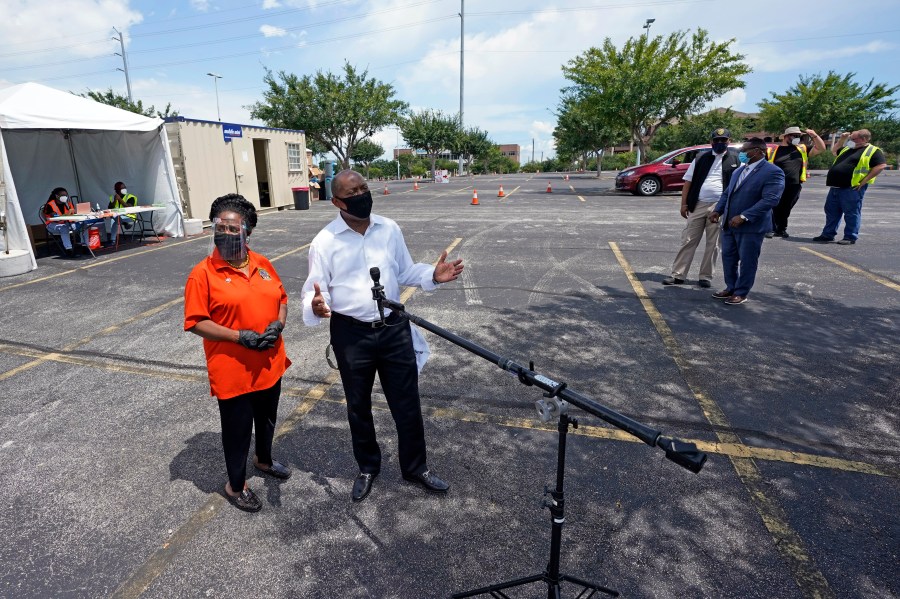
(50, 138)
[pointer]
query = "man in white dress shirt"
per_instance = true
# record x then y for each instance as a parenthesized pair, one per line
(704, 181)
(339, 288)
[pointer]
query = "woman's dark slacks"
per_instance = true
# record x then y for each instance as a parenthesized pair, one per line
(238, 416)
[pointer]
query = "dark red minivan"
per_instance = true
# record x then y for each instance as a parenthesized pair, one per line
(663, 174)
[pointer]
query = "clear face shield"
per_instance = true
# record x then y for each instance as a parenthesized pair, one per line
(229, 238)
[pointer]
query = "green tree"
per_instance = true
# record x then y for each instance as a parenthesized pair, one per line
(472, 143)
(827, 104)
(652, 81)
(365, 152)
(111, 98)
(335, 111)
(886, 132)
(432, 131)
(695, 129)
(580, 131)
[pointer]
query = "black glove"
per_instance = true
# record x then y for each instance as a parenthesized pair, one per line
(249, 339)
(268, 337)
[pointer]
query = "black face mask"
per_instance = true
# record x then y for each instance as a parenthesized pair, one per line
(230, 246)
(360, 205)
(719, 146)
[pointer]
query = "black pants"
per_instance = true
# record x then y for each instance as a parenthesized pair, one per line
(238, 416)
(360, 353)
(782, 211)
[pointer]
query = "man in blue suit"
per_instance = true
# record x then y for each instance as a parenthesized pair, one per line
(746, 205)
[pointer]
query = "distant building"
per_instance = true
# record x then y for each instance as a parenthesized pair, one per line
(510, 151)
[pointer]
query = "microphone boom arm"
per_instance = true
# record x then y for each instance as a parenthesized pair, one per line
(682, 453)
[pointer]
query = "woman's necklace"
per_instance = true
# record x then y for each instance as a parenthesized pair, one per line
(242, 265)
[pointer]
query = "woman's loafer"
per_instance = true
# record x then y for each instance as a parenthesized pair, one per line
(246, 501)
(277, 469)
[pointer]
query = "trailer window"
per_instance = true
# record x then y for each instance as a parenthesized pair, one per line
(294, 157)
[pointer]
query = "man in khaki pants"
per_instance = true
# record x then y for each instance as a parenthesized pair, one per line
(704, 182)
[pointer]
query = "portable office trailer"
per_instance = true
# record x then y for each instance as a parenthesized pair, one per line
(213, 159)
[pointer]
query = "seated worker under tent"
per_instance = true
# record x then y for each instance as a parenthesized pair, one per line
(58, 204)
(121, 199)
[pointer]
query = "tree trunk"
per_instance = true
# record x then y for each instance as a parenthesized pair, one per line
(433, 166)
(599, 162)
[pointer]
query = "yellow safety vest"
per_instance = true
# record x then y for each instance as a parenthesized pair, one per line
(803, 153)
(124, 203)
(862, 167)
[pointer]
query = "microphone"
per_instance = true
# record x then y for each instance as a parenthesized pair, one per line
(377, 290)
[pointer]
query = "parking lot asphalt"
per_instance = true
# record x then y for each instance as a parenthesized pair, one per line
(112, 457)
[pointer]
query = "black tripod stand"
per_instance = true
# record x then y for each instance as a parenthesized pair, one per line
(556, 503)
(555, 405)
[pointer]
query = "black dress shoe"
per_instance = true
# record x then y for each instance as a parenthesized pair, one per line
(362, 486)
(823, 239)
(429, 481)
(847, 242)
(277, 469)
(673, 281)
(246, 501)
(704, 284)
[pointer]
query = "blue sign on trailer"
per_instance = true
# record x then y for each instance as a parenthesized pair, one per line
(230, 132)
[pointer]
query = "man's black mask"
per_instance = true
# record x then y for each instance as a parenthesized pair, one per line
(360, 205)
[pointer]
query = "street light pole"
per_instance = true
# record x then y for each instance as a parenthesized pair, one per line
(216, 81)
(647, 23)
(462, 40)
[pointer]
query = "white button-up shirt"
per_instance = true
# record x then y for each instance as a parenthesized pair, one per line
(340, 259)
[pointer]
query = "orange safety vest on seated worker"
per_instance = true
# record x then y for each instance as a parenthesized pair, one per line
(67, 209)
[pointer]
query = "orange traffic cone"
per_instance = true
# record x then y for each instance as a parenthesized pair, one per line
(475, 197)
(549, 190)
(500, 193)
(386, 192)
(415, 186)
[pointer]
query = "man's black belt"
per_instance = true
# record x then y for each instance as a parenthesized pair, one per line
(377, 324)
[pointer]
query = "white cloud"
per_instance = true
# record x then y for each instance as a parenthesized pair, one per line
(267, 4)
(200, 5)
(25, 23)
(734, 99)
(272, 31)
(772, 60)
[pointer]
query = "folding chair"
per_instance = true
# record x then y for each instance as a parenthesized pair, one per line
(142, 226)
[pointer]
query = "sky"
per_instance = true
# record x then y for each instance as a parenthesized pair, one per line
(514, 49)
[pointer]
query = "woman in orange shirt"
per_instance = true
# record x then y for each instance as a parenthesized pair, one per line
(236, 302)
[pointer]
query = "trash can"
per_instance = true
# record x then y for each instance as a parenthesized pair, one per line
(301, 198)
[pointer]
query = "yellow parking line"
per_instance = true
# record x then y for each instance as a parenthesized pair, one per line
(726, 449)
(792, 548)
(102, 262)
(115, 327)
(869, 275)
(573, 191)
(510, 193)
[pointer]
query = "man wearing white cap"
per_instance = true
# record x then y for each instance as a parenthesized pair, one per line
(791, 157)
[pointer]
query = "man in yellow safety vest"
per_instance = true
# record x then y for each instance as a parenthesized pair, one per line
(856, 165)
(792, 157)
(121, 199)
